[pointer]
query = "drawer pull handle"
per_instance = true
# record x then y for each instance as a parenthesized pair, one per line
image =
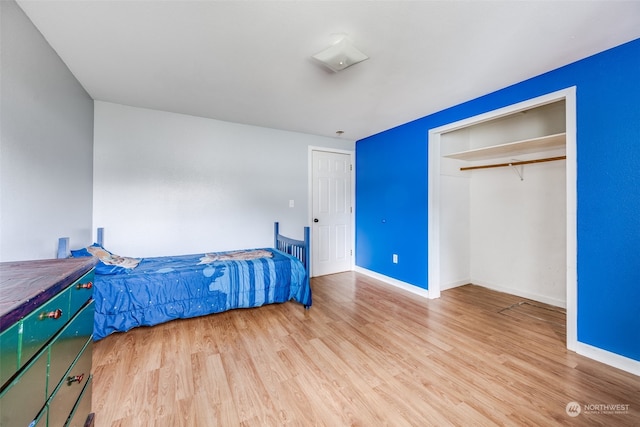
(55, 314)
(87, 285)
(75, 379)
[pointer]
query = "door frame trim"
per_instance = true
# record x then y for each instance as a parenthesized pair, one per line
(351, 153)
(433, 202)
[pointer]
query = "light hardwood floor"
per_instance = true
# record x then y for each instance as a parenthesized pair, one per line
(365, 354)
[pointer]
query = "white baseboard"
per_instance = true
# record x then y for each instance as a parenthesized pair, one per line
(612, 359)
(523, 294)
(394, 282)
(454, 284)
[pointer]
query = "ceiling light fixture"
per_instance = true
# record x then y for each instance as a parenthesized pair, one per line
(340, 55)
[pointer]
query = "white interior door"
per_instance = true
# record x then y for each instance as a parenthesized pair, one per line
(332, 212)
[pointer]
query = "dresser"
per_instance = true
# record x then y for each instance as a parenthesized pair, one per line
(46, 327)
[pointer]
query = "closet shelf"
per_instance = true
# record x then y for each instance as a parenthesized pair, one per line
(527, 146)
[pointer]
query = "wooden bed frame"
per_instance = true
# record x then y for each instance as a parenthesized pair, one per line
(300, 249)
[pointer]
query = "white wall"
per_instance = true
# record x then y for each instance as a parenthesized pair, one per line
(518, 231)
(167, 184)
(46, 143)
(455, 223)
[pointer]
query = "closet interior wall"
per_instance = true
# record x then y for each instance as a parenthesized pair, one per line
(505, 228)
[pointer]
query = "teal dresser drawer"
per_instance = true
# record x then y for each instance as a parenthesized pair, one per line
(65, 398)
(9, 340)
(46, 332)
(43, 323)
(81, 415)
(68, 345)
(81, 291)
(23, 399)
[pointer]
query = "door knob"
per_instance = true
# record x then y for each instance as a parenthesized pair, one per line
(315, 219)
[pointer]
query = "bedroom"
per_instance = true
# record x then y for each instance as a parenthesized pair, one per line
(157, 215)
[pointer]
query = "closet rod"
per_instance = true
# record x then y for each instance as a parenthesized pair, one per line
(524, 162)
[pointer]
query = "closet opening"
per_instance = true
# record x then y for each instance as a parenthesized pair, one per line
(502, 204)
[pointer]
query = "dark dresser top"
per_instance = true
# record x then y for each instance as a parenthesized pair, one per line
(26, 285)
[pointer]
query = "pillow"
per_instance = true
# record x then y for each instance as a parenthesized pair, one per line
(108, 263)
(236, 256)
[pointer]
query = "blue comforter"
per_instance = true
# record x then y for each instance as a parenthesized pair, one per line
(165, 288)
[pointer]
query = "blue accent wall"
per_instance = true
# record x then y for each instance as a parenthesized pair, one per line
(391, 192)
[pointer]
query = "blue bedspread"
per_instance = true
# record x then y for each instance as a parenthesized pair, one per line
(165, 288)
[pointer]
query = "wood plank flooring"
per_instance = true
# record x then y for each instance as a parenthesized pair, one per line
(365, 354)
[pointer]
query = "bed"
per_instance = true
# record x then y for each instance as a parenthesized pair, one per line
(130, 292)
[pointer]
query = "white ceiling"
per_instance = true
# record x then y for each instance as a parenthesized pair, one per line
(250, 61)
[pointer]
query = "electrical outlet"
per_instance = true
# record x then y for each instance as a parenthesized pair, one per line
(395, 258)
(291, 203)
